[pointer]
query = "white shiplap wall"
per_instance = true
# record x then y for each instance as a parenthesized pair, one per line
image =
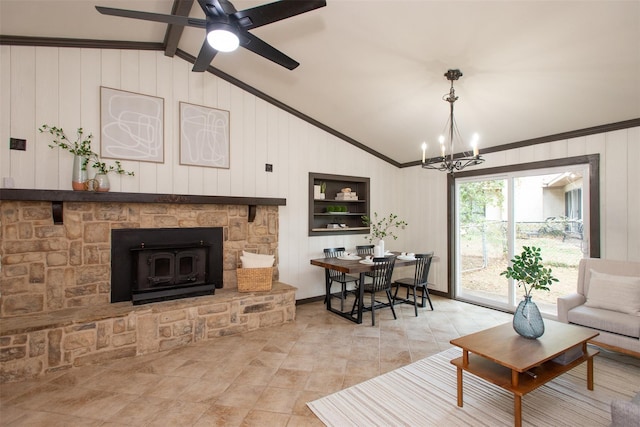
(61, 86)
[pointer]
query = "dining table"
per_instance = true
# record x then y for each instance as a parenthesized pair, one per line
(352, 267)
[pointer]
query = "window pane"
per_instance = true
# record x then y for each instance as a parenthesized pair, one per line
(483, 240)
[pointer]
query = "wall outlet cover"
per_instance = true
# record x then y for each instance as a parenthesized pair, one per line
(17, 144)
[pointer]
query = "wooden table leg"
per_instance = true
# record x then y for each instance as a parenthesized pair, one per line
(360, 297)
(327, 285)
(517, 410)
(590, 373)
(459, 387)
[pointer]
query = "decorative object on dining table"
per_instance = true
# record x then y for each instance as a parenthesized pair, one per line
(380, 229)
(529, 272)
(83, 156)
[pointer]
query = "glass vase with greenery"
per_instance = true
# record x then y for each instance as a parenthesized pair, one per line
(529, 272)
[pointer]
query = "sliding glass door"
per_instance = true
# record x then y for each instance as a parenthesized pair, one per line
(497, 215)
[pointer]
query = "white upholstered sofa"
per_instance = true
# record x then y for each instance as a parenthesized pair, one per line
(607, 300)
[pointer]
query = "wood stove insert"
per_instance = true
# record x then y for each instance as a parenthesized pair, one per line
(157, 264)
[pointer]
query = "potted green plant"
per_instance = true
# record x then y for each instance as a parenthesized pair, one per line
(529, 272)
(382, 228)
(80, 148)
(101, 178)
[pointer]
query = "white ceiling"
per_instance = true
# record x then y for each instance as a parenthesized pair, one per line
(373, 69)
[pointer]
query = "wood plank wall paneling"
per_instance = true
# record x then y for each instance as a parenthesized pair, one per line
(61, 86)
(633, 195)
(615, 208)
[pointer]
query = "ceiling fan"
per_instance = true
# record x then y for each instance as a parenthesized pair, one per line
(227, 28)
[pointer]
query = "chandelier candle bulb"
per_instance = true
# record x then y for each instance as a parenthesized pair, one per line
(424, 151)
(474, 144)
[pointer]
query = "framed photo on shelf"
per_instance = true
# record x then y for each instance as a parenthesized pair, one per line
(204, 136)
(132, 126)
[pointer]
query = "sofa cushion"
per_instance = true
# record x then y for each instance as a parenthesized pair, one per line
(606, 320)
(611, 292)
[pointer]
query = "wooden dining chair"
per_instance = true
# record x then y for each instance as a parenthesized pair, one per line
(381, 281)
(364, 250)
(415, 283)
(337, 276)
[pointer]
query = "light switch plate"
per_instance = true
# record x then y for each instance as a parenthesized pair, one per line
(17, 144)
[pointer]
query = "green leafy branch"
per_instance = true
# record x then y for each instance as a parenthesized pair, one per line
(528, 271)
(384, 227)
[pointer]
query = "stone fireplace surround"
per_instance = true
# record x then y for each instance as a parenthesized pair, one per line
(55, 277)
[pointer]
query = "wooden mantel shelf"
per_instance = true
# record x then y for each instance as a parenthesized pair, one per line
(57, 197)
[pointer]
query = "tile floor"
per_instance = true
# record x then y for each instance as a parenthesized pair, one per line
(262, 378)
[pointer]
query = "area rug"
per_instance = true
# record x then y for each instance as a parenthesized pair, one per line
(424, 394)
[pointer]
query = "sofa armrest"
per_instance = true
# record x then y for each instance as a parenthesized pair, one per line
(625, 414)
(568, 302)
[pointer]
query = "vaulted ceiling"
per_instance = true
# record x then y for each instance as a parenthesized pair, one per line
(372, 70)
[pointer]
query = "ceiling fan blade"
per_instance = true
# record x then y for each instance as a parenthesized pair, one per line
(211, 7)
(272, 12)
(226, 6)
(256, 45)
(204, 57)
(157, 17)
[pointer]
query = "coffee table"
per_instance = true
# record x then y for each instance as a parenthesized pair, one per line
(519, 365)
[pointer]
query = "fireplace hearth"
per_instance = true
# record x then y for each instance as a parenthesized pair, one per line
(158, 264)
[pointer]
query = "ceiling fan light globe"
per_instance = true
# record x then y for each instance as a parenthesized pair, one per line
(223, 40)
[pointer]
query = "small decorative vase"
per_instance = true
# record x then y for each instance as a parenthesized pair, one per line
(381, 244)
(79, 174)
(527, 320)
(102, 182)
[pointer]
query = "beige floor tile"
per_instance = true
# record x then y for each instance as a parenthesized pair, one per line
(257, 418)
(300, 421)
(299, 362)
(178, 414)
(48, 419)
(222, 416)
(140, 411)
(204, 391)
(256, 375)
(123, 382)
(268, 359)
(322, 381)
(276, 399)
(240, 395)
(290, 378)
(169, 387)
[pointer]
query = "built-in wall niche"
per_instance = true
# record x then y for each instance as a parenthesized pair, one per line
(332, 211)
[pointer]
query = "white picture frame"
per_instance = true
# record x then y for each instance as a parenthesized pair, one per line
(204, 136)
(132, 126)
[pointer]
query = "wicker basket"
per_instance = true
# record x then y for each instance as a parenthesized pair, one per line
(255, 279)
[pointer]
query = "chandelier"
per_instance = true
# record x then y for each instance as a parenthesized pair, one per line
(448, 161)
